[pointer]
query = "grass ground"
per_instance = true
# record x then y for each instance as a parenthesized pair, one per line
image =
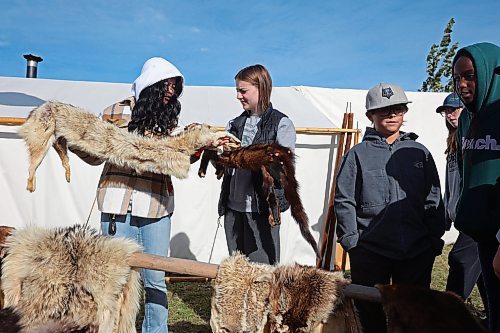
(189, 302)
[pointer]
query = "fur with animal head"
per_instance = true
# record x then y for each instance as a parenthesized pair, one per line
(61, 125)
(289, 298)
(412, 309)
(302, 297)
(277, 165)
(71, 275)
(240, 302)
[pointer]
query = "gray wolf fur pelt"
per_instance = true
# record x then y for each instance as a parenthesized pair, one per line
(240, 302)
(73, 275)
(10, 318)
(4, 233)
(292, 298)
(61, 125)
(412, 309)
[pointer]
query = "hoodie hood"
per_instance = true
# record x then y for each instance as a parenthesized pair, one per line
(154, 70)
(486, 59)
(479, 147)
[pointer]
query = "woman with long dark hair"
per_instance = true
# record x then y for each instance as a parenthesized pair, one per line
(140, 206)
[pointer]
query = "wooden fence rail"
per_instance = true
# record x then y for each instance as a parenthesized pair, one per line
(13, 121)
(201, 269)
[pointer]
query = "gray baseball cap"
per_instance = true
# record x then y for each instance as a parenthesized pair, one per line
(385, 94)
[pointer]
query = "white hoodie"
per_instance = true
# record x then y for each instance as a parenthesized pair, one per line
(154, 70)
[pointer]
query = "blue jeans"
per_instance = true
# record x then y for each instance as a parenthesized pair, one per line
(154, 236)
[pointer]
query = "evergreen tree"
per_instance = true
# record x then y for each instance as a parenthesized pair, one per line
(439, 61)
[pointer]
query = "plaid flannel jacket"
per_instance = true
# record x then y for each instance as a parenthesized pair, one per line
(121, 190)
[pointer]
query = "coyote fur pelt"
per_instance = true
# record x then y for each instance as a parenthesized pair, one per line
(4, 233)
(73, 275)
(240, 302)
(295, 298)
(277, 164)
(413, 309)
(10, 319)
(61, 125)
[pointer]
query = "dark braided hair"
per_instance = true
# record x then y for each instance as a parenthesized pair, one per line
(151, 114)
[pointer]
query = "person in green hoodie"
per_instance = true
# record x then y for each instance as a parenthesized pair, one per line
(476, 76)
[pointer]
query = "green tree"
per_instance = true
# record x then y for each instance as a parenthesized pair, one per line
(439, 61)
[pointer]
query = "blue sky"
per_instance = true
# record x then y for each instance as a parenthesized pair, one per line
(336, 44)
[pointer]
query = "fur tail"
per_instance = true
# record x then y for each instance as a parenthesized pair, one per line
(291, 187)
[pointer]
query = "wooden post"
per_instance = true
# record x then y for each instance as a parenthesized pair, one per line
(327, 239)
(12, 121)
(324, 261)
(340, 254)
(340, 259)
(173, 265)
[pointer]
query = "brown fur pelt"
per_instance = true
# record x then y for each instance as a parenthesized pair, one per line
(71, 275)
(295, 298)
(277, 164)
(240, 302)
(61, 125)
(210, 156)
(302, 297)
(411, 309)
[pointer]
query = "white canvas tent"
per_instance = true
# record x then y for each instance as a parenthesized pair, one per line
(195, 231)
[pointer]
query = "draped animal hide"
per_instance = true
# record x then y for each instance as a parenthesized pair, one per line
(71, 275)
(10, 323)
(4, 233)
(61, 125)
(277, 165)
(302, 297)
(240, 302)
(295, 298)
(412, 309)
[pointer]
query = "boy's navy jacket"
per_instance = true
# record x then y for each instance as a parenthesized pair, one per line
(478, 213)
(388, 198)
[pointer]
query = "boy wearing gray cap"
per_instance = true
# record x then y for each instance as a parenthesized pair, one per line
(390, 214)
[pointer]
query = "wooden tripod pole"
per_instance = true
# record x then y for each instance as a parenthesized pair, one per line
(341, 255)
(321, 263)
(327, 243)
(330, 245)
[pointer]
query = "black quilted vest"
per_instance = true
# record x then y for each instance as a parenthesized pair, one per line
(266, 133)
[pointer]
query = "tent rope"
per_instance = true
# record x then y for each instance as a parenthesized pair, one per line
(215, 237)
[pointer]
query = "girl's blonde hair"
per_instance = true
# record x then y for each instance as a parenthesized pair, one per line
(258, 76)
